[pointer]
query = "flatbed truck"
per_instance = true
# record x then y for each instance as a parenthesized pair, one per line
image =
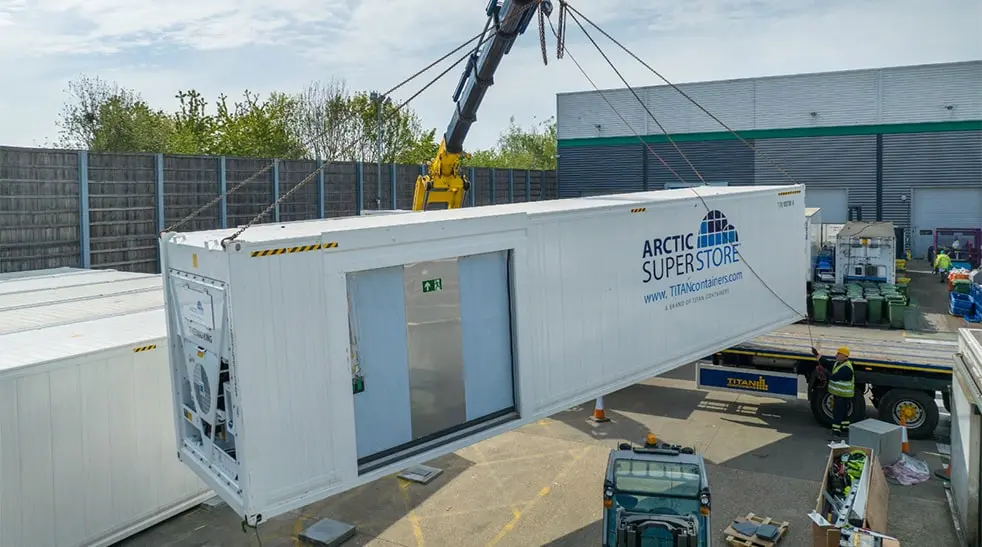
(899, 371)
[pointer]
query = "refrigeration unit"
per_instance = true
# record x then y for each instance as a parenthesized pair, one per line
(864, 251)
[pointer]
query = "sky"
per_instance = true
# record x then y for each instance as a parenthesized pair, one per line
(158, 47)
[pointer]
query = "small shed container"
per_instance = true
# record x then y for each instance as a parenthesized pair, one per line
(312, 357)
(865, 251)
(87, 452)
(813, 239)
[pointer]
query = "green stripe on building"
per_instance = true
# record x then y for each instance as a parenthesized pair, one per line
(798, 132)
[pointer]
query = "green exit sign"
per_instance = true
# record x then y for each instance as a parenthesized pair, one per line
(433, 285)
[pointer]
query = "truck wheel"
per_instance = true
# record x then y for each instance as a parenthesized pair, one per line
(821, 405)
(919, 408)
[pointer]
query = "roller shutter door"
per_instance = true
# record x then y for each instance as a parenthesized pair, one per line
(834, 204)
(942, 208)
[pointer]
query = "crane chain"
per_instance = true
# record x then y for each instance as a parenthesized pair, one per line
(215, 201)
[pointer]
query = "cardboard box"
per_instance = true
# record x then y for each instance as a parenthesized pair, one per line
(876, 501)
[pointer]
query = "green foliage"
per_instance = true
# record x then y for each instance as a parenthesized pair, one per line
(519, 148)
(103, 117)
(325, 121)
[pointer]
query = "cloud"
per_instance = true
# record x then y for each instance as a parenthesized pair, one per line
(160, 46)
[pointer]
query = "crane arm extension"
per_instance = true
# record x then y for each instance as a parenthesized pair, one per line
(443, 186)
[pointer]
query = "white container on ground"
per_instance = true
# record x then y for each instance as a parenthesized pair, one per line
(312, 357)
(866, 251)
(87, 451)
(966, 435)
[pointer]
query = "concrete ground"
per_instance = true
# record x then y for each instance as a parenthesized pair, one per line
(541, 485)
(928, 311)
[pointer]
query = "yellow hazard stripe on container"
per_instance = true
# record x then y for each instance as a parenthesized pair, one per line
(789, 193)
(639, 209)
(144, 348)
(297, 249)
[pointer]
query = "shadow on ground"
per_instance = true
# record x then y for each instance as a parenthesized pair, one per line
(372, 508)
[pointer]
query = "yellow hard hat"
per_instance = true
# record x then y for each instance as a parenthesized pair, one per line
(843, 350)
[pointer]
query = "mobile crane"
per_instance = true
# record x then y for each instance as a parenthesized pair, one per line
(444, 186)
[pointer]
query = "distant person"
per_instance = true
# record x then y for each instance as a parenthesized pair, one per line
(942, 263)
(842, 388)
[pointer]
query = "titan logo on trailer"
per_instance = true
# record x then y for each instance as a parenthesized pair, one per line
(679, 257)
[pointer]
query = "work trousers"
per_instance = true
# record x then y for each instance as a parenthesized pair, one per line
(840, 415)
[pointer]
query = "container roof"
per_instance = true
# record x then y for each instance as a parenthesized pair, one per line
(314, 228)
(852, 229)
(64, 304)
(45, 345)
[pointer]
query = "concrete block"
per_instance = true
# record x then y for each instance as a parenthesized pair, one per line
(327, 533)
(883, 438)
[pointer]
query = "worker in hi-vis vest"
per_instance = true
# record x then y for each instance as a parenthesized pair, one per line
(842, 388)
(942, 263)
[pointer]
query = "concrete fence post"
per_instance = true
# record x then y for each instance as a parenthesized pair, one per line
(472, 175)
(84, 242)
(158, 163)
(359, 187)
(222, 190)
(276, 190)
(320, 188)
(491, 185)
(392, 182)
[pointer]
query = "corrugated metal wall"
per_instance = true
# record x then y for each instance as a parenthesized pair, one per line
(927, 159)
(824, 162)
(908, 94)
(589, 170)
(731, 161)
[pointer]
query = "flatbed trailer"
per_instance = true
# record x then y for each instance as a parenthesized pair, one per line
(900, 371)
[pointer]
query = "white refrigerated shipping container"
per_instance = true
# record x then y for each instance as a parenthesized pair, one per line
(87, 451)
(312, 357)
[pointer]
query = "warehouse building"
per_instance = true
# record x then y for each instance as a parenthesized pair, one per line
(901, 144)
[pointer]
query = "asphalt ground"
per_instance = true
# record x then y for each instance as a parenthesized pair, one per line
(541, 484)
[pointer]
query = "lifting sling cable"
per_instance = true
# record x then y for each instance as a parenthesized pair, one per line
(672, 141)
(480, 38)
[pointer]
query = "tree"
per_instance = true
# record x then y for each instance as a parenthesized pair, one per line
(104, 117)
(518, 148)
(258, 128)
(337, 125)
(324, 118)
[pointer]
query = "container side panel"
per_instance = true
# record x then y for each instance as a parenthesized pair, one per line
(68, 470)
(382, 418)
(122, 421)
(97, 405)
(11, 502)
(279, 318)
(676, 282)
(37, 488)
(487, 343)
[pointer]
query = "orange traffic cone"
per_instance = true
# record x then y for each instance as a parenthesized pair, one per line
(904, 442)
(599, 416)
(945, 473)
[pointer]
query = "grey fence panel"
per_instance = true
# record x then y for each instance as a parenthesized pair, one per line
(41, 214)
(190, 183)
(252, 198)
(340, 187)
(406, 176)
(303, 204)
(122, 211)
(39, 209)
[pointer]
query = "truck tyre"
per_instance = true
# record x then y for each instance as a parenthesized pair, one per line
(821, 405)
(922, 411)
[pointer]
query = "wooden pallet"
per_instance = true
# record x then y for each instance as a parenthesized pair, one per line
(736, 539)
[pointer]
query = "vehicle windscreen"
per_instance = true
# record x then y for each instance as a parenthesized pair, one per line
(657, 478)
